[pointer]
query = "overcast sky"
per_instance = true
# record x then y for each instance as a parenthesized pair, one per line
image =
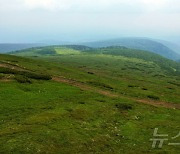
(77, 20)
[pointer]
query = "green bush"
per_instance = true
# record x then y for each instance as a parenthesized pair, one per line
(36, 76)
(22, 79)
(7, 71)
(132, 86)
(31, 75)
(153, 97)
(100, 84)
(1, 76)
(124, 106)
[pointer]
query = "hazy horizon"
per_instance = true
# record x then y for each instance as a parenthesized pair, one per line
(32, 21)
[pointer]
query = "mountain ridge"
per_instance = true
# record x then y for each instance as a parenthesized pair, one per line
(138, 43)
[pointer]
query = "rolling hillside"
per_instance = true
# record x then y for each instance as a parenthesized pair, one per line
(169, 65)
(138, 43)
(76, 99)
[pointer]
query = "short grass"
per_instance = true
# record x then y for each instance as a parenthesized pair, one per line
(127, 76)
(66, 51)
(49, 117)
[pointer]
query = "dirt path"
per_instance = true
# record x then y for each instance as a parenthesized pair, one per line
(160, 104)
(83, 86)
(90, 88)
(110, 94)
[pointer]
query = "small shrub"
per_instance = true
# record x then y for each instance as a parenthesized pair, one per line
(1, 76)
(31, 75)
(22, 79)
(90, 73)
(82, 103)
(124, 106)
(101, 85)
(132, 86)
(170, 88)
(153, 97)
(7, 71)
(36, 76)
(101, 100)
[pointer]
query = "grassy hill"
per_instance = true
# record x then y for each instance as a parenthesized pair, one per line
(75, 99)
(138, 43)
(170, 66)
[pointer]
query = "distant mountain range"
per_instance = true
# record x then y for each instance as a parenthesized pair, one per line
(172, 46)
(163, 48)
(138, 43)
(8, 47)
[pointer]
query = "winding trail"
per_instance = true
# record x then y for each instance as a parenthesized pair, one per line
(84, 86)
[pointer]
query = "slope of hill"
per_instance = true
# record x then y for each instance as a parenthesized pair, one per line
(8, 47)
(138, 43)
(173, 46)
(169, 65)
(74, 99)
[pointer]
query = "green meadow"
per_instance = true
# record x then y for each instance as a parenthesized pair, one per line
(75, 99)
